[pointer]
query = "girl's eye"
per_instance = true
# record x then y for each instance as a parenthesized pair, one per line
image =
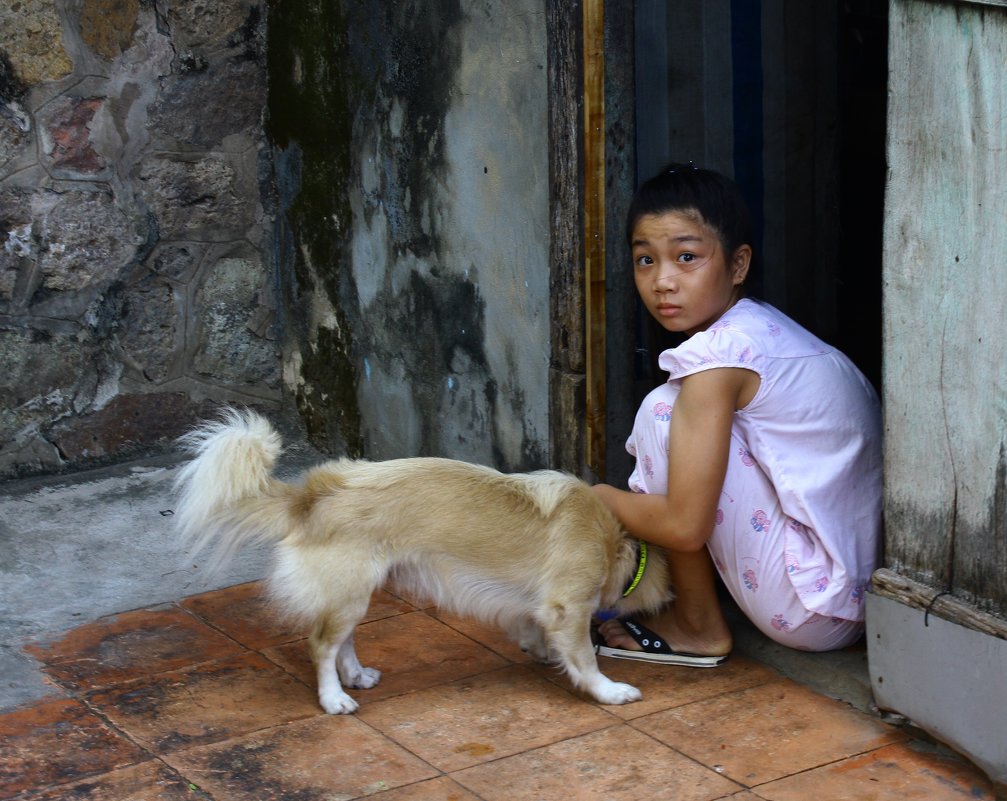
(644, 261)
(687, 257)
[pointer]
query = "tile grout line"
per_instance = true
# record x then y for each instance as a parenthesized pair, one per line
(509, 664)
(752, 788)
(690, 758)
(615, 723)
(743, 787)
(813, 768)
(82, 696)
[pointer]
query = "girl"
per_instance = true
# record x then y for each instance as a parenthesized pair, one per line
(760, 457)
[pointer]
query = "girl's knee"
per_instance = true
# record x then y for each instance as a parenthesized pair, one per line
(649, 441)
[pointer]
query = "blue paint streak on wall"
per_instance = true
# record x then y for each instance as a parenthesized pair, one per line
(746, 52)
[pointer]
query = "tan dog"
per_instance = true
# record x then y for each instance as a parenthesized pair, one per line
(535, 554)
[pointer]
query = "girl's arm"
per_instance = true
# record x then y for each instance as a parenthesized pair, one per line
(699, 440)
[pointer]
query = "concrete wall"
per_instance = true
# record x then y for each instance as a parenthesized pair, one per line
(133, 285)
(410, 148)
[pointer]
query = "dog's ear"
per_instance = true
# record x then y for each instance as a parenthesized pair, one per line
(621, 569)
(627, 550)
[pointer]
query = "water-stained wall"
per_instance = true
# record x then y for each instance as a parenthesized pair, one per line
(411, 165)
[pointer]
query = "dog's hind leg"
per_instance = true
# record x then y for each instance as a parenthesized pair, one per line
(528, 634)
(568, 632)
(331, 645)
(351, 672)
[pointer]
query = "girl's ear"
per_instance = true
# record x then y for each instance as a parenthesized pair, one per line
(740, 262)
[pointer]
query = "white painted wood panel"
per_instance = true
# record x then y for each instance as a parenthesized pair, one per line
(945, 307)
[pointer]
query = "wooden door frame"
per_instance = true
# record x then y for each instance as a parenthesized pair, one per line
(591, 177)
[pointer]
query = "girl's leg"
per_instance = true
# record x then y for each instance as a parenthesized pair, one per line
(693, 623)
(749, 549)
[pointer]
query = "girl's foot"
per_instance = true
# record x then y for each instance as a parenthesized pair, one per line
(713, 639)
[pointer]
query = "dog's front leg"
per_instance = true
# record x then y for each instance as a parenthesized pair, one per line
(331, 645)
(569, 634)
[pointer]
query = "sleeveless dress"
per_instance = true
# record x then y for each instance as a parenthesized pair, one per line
(798, 526)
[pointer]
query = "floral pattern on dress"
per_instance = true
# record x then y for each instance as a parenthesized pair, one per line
(857, 596)
(780, 623)
(746, 457)
(793, 565)
(821, 583)
(662, 412)
(648, 466)
(745, 356)
(760, 521)
(718, 518)
(750, 580)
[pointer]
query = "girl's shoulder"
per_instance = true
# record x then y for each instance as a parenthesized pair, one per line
(747, 333)
(776, 334)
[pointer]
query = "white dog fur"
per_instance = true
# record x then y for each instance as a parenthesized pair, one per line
(535, 553)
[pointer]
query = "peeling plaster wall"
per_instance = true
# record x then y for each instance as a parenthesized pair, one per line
(411, 164)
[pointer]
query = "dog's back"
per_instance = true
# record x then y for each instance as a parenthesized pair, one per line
(465, 537)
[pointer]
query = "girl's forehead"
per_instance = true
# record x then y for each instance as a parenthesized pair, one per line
(675, 224)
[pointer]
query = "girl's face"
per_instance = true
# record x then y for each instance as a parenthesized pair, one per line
(683, 275)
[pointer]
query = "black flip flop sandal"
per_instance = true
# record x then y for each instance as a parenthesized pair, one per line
(655, 649)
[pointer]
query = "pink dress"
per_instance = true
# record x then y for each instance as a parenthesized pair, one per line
(797, 532)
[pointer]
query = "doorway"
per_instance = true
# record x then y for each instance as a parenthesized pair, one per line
(789, 99)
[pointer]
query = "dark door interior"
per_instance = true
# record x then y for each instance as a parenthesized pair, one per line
(789, 99)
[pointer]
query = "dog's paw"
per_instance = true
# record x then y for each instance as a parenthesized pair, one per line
(363, 679)
(337, 703)
(616, 692)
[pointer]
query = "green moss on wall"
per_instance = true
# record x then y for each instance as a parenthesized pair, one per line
(314, 88)
(331, 415)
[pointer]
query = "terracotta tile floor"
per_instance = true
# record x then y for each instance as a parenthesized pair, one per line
(213, 698)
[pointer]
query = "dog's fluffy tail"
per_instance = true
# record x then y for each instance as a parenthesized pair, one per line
(218, 491)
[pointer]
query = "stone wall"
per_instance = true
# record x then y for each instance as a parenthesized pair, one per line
(135, 289)
(362, 251)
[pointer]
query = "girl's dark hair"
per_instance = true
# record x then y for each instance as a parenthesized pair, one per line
(681, 187)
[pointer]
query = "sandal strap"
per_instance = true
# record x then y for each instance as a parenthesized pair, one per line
(649, 641)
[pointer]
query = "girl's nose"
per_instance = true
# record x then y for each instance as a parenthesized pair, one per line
(667, 278)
